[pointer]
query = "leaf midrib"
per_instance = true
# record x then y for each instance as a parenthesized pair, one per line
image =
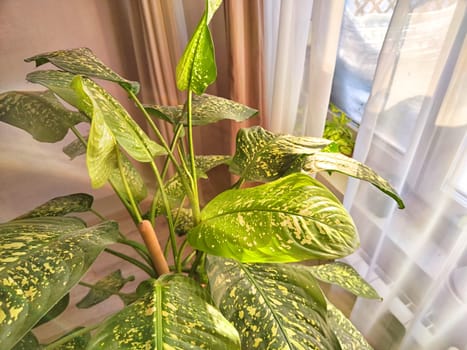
(268, 304)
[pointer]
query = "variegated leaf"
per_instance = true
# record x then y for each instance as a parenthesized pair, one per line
(83, 61)
(273, 306)
(206, 109)
(135, 181)
(55, 311)
(325, 161)
(60, 206)
(57, 81)
(291, 219)
(104, 289)
(344, 276)
(263, 156)
(78, 342)
(349, 336)
(38, 113)
(41, 259)
(197, 67)
(28, 342)
(75, 149)
(174, 314)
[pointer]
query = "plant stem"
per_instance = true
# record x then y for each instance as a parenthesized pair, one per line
(150, 239)
(135, 262)
(180, 252)
(194, 182)
(69, 337)
(141, 249)
(96, 213)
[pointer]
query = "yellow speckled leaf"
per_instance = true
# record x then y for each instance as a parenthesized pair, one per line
(263, 156)
(41, 259)
(291, 219)
(173, 314)
(82, 61)
(272, 306)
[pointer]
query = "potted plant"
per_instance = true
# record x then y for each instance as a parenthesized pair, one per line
(235, 281)
(337, 129)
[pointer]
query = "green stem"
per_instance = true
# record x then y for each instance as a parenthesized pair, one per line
(238, 184)
(69, 337)
(96, 213)
(138, 247)
(180, 252)
(133, 261)
(136, 212)
(195, 200)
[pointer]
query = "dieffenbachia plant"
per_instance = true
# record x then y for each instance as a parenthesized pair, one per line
(235, 280)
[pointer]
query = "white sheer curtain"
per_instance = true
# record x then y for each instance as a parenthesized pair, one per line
(402, 73)
(413, 132)
(301, 38)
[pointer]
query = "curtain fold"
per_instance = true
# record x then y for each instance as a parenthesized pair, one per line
(409, 134)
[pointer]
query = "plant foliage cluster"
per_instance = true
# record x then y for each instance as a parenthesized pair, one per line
(234, 281)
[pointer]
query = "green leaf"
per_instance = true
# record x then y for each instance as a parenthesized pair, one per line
(263, 156)
(60, 206)
(77, 342)
(344, 276)
(83, 61)
(104, 289)
(291, 219)
(75, 149)
(55, 311)
(197, 67)
(206, 109)
(57, 81)
(324, 161)
(111, 125)
(38, 113)
(272, 306)
(349, 336)
(41, 259)
(174, 314)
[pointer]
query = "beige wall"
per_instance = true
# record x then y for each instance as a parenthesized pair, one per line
(32, 172)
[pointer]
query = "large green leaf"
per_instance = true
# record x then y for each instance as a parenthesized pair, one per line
(41, 259)
(206, 109)
(349, 336)
(263, 156)
(174, 314)
(60, 206)
(273, 306)
(291, 219)
(38, 113)
(82, 61)
(197, 67)
(326, 161)
(344, 276)
(111, 125)
(104, 289)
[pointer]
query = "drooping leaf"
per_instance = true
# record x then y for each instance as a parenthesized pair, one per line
(273, 306)
(41, 259)
(126, 131)
(291, 219)
(174, 314)
(75, 148)
(57, 81)
(28, 342)
(325, 161)
(104, 289)
(55, 311)
(344, 276)
(206, 109)
(263, 156)
(38, 113)
(60, 206)
(83, 61)
(349, 336)
(197, 67)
